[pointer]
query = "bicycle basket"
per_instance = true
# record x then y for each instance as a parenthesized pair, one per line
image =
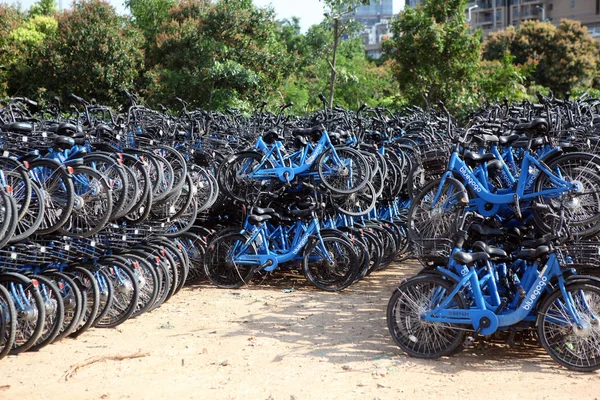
(584, 255)
(434, 161)
(433, 251)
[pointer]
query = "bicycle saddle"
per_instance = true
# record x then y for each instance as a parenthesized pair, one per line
(504, 140)
(464, 258)
(485, 231)
(472, 158)
(536, 125)
(491, 251)
(262, 211)
(64, 142)
(486, 139)
(63, 129)
(278, 218)
(257, 219)
(307, 131)
(272, 136)
(533, 254)
(18, 127)
(300, 142)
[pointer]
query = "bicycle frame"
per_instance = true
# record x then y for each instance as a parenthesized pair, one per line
(475, 316)
(301, 237)
(306, 162)
(457, 165)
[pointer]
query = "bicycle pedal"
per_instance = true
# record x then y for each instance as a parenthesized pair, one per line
(469, 341)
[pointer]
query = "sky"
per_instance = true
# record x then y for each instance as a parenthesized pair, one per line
(310, 12)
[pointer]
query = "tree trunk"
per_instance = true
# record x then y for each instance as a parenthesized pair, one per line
(336, 38)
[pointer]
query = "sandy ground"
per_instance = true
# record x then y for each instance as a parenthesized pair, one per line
(269, 342)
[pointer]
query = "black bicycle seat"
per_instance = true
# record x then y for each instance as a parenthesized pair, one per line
(485, 231)
(509, 139)
(491, 251)
(64, 142)
(536, 125)
(533, 254)
(262, 211)
(18, 127)
(472, 158)
(257, 219)
(464, 258)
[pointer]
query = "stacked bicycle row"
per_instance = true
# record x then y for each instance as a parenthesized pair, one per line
(88, 229)
(505, 227)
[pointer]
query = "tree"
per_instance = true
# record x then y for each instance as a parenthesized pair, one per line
(358, 80)
(434, 55)
(564, 57)
(216, 54)
(149, 15)
(336, 11)
(27, 42)
(10, 18)
(43, 7)
(95, 53)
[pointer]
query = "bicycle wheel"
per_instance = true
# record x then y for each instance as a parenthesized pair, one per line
(582, 206)
(194, 247)
(106, 293)
(220, 266)
(29, 223)
(415, 336)
(115, 176)
(59, 196)
(429, 220)
(344, 172)
(72, 300)
(8, 217)
(166, 184)
(125, 296)
(574, 345)
(55, 311)
(90, 291)
(8, 322)
(358, 203)
(17, 177)
(93, 204)
(30, 310)
(141, 176)
(332, 265)
(234, 180)
(147, 282)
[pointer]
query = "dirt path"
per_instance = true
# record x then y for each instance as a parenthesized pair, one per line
(269, 342)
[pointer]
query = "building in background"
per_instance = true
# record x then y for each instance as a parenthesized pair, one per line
(376, 19)
(493, 15)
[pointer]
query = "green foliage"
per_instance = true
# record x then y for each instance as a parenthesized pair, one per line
(501, 79)
(94, 53)
(434, 55)
(43, 8)
(33, 32)
(564, 57)
(358, 80)
(212, 54)
(10, 18)
(149, 15)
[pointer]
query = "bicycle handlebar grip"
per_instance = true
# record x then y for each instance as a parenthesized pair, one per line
(78, 99)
